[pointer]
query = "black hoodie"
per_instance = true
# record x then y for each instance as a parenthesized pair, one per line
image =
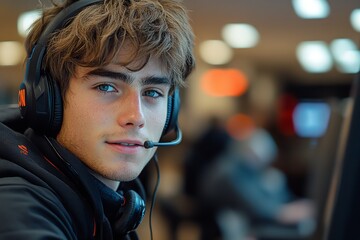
(47, 193)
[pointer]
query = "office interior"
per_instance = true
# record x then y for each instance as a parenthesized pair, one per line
(304, 105)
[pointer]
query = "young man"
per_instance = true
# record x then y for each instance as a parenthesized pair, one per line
(99, 90)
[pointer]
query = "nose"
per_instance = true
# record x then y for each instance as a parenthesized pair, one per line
(131, 114)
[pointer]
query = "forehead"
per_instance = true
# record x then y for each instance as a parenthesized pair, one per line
(141, 67)
(133, 60)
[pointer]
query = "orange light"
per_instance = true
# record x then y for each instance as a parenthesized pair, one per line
(240, 126)
(224, 82)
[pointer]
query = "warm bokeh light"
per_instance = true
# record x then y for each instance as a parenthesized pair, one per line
(240, 126)
(224, 82)
(11, 53)
(240, 35)
(215, 52)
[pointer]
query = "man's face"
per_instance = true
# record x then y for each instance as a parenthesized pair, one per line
(108, 114)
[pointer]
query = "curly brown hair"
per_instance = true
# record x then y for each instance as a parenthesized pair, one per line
(94, 36)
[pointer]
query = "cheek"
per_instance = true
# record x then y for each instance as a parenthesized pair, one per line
(73, 113)
(79, 115)
(83, 106)
(156, 121)
(159, 119)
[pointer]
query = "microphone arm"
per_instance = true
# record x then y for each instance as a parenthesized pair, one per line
(150, 144)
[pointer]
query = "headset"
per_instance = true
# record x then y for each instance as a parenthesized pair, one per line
(41, 106)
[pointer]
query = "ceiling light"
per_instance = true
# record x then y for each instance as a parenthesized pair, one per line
(311, 8)
(240, 35)
(355, 19)
(25, 21)
(314, 56)
(346, 55)
(215, 52)
(11, 53)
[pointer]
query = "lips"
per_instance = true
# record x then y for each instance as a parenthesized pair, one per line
(125, 146)
(126, 142)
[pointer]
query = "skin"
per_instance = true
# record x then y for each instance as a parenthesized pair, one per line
(108, 114)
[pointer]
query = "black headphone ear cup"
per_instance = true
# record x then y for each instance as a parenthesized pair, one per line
(130, 214)
(42, 107)
(39, 98)
(56, 109)
(172, 112)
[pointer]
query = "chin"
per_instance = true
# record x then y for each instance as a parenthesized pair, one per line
(127, 173)
(128, 177)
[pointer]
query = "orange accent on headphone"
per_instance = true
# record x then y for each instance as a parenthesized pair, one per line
(22, 101)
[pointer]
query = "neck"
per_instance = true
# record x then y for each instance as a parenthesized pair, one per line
(109, 183)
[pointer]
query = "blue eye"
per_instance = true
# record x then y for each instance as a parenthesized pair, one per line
(152, 94)
(106, 88)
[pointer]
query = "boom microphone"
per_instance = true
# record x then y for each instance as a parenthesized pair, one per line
(151, 144)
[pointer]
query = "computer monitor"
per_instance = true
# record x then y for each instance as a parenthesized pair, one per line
(342, 215)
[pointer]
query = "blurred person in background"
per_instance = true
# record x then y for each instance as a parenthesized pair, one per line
(185, 206)
(203, 151)
(249, 197)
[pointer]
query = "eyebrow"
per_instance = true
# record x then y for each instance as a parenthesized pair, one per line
(127, 78)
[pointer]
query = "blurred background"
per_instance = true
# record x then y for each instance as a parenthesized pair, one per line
(272, 85)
